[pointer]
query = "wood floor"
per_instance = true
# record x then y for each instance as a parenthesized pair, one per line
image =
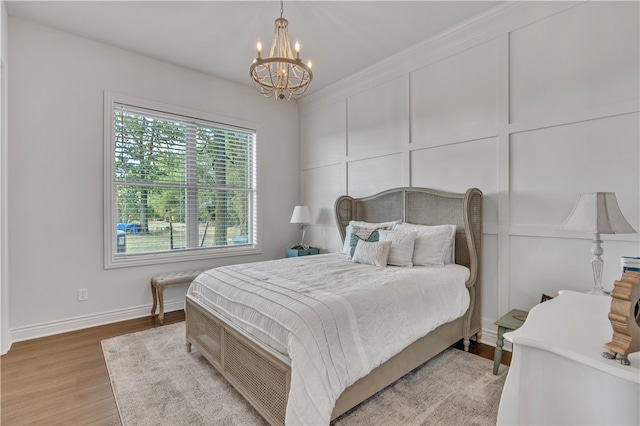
(63, 379)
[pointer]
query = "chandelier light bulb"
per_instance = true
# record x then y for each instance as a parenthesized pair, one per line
(297, 48)
(309, 63)
(259, 47)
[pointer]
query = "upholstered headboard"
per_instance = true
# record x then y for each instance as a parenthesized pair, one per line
(426, 206)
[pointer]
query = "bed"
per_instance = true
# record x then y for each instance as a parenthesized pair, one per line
(273, 376)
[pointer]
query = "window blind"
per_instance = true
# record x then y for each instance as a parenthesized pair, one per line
(181, 183)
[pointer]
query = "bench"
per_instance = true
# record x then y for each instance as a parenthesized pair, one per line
(171, 279)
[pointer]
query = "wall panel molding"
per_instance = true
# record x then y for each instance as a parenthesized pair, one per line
(494, 22)
(630, 107)
(531, 161)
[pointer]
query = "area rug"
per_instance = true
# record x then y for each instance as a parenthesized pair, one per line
(157, 382)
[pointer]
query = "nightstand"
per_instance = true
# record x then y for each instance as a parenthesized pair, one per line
(296, 252)
(512, 320)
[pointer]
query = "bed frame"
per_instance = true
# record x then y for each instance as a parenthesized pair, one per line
(263, 376)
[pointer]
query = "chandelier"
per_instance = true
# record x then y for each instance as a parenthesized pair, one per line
(281, 75)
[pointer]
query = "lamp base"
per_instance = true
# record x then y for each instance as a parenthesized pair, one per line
(597, 265)
(598, 291)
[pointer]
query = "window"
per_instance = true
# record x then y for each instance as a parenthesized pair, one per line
(181, 186)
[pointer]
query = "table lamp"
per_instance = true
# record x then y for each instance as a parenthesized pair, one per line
(597, 213)
(301, 216)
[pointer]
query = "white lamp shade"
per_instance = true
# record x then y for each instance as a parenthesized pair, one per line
(597, 212)
(301, 214)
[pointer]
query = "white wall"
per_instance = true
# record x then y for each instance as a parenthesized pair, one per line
(55, 175)
(532, 102)
(4, 299)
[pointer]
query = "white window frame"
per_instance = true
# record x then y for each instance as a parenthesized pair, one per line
(111, 259)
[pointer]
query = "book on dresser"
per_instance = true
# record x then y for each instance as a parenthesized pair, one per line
(630, 264)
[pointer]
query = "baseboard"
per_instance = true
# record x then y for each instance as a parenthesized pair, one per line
(490, 336)
(20, 334)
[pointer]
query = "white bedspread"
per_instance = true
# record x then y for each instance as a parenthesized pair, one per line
(334, 319)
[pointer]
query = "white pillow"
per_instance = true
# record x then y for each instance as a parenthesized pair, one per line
(402, 243)
(434, 245)
(372, 253)
(384, 225)
(346, 247)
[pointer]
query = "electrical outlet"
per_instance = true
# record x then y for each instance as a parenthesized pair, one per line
(83, 294)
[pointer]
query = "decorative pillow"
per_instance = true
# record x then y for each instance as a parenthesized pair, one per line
(434, 245)
(372, 253)
(383, 225)
(346, 246)
(402, 243)
(362, 234)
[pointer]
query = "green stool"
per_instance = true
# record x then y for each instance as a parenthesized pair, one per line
(512, 320)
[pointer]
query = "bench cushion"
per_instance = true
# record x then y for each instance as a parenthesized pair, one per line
(175, 278)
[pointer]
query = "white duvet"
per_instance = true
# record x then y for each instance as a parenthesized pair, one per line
(334, 319)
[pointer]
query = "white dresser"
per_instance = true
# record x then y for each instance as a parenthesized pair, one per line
(558, 375)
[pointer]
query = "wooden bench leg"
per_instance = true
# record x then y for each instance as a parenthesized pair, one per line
(155, 300)
(161, 302)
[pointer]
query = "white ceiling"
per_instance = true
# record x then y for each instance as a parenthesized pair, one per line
(219, 37)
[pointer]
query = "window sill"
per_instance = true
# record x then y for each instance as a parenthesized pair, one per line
(125, 261)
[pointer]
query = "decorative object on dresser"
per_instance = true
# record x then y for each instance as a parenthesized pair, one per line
(597, 213)
(628, 263)
(313, 363)
(301, 215)
(624, 316)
